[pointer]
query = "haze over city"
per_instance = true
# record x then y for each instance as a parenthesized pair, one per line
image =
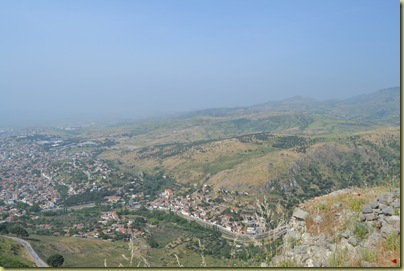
(63, 59)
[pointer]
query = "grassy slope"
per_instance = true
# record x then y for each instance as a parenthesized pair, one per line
(92, 252)
(11, 250)
(82, 252)
(231, 161)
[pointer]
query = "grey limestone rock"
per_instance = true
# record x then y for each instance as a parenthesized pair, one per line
(387, 230)
(367, 209)
(382, 206)
(300, 214)
(353, 241)
(346, 234)
(396, 204)
(331, 247)
(314, 251)
(372, 240)
(373, 204)
(346, 245)
(370, 217)
(377, 211)
(393, 221)
(385, 198)
(388, 210)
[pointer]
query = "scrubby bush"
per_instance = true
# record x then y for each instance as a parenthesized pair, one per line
(55, 260)
(360, 230)
(7, 261)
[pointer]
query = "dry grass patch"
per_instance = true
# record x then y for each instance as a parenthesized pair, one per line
(335, 213)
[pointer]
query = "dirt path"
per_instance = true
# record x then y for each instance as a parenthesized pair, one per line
(38, 261)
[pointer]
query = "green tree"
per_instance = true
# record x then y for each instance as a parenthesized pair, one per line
(18, 230)
(34, 208)
(55, 260)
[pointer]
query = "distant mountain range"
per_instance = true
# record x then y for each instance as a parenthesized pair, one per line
(380, 106)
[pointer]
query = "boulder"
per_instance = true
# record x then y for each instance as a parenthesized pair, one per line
(346, 245)
(385, 198)
(377, 211)
(353, 241)
(388, 211)
(372, 241)
(373, 204)
(367, 209)
(382, 206)
(370, 217)
(300, 214)
(387, 230)
(331, 247)
(394, 221)
(396, 204)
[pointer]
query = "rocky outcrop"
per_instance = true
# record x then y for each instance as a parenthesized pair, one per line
(300, 214)
(377, 220)
(383, 213)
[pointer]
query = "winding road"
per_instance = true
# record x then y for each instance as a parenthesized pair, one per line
(38, 261)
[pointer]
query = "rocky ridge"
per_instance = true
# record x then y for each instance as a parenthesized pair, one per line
(344, 229)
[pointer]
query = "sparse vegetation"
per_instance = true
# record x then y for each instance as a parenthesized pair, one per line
(12, 255)
(360, 230)
(56, 260)
(393, 243)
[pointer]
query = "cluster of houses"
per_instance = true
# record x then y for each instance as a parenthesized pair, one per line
(21, 167)
(28, 172)
(107, 227)
(198, 206)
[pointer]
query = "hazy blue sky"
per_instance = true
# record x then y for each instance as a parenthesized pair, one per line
(128, 58)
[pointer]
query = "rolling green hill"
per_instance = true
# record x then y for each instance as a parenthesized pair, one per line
(298, 146)
(382, 106)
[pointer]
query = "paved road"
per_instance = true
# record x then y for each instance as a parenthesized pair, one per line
(38, 261)
(275, 234)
